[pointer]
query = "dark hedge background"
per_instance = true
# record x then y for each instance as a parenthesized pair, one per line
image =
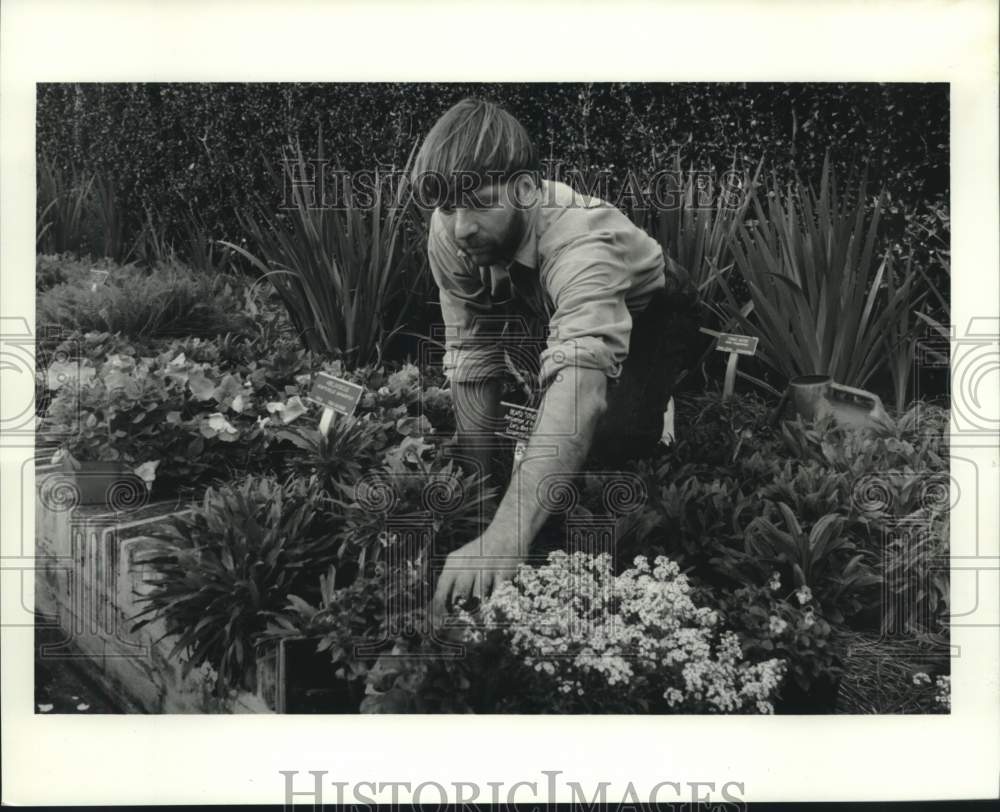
(211, 149)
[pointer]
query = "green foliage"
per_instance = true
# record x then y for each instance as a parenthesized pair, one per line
(809, 260)
(167, 302)
(696, 232)
(347, 274)
(164, 409)
(771, 624)
(108, 210)
(415, 499)
(351, 621)
(734, 500)
(55, 269)
(899, 502)
(211, 146)
(341, 457)
(821, 557)
(223, 566)
(62, 199)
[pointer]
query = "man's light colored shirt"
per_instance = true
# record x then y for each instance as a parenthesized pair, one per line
(582, 265)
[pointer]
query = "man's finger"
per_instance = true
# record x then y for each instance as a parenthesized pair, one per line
(464, 585)
(486, 583)
(439, 606)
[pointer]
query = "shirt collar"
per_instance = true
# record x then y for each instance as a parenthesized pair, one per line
(527, 250)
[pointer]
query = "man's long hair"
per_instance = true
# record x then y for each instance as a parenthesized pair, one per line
(474, 142)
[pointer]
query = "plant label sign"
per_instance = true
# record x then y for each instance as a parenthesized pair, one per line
(519, 421)
(336, 395)
(519, 424)
(741, 345)
(736, 345)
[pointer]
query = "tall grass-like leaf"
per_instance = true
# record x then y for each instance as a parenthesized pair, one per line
(218, 571)
(348, 275)
(697, 238)
(61, 205)
(820, 299)
(902, 333)
(108, 208)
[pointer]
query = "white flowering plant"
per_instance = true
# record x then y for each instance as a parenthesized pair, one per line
(571, 637)
(936, 689)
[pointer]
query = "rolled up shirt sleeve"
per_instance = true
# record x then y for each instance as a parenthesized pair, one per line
(471, 349)
(591, 325)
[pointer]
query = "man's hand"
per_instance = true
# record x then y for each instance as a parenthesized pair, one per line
(475, 569)
(566, 421)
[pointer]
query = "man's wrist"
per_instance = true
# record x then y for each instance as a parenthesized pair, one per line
(503, 544)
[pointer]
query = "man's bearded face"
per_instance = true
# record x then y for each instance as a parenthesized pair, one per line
(488, 223)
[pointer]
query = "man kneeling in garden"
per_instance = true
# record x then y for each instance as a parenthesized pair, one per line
(507, 247)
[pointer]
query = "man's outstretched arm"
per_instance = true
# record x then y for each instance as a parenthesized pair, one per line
(572, 405)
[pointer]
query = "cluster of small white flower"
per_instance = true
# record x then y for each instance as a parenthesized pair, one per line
(942, 688)
(573, 620)
(943, 692)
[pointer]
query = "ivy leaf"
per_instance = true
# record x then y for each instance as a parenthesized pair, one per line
(201, 387)
(230, 386)
(413, 426)
(289, 411)
(147, 472)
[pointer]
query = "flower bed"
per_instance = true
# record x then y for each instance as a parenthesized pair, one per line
(788, 535)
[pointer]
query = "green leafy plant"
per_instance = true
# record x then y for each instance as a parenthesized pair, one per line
(816, 284)
(169, 302)
(62, 204)
(687, 518)
(109, 211)
(224, 566)
(810, 489)
(817, 557)
(340, 458)
(773, 624)
(696, 232)
(414, 494)
(903, 335)
(355, 623)
(195, 421)
(348, 274)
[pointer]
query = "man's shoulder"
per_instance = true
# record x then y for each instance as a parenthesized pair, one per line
(557, 196)
(568, 215)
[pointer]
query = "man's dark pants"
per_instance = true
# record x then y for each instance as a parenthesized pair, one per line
(632, 425)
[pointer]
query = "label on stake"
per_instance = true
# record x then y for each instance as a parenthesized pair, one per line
(336, 396)
(335, 393)
(520, 422)
(732, 342)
